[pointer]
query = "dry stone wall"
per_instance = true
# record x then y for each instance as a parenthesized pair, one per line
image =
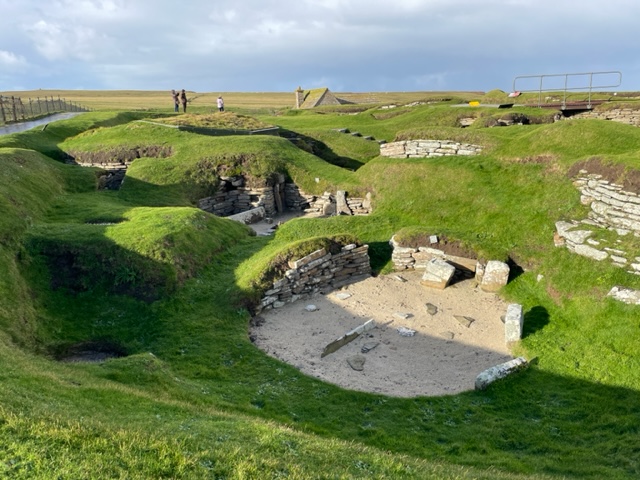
(612, 208)
(318, 272)
(427, 148)
(623, 115)
(234, 196)
(418, 258)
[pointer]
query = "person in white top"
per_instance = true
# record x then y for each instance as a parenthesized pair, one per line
(220, 104)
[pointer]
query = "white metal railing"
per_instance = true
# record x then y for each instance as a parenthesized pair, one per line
(589, 86)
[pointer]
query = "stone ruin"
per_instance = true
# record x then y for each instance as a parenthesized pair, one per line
(235, 197)
(614, 208)
(318, 272)
(442, 268)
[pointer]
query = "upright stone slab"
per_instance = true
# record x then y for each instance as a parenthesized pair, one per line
(513, 322)
(437, 274)
(496, 276)
(342, 207)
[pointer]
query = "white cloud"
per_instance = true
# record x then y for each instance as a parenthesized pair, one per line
(61, 41)
(11, 61)
(354, 44)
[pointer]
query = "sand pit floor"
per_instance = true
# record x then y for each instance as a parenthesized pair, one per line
(448, 350)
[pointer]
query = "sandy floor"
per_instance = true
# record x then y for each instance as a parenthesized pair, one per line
(444, 356)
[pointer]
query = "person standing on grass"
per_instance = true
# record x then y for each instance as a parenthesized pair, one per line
(183, 99)
(220, 104)
(176, 101)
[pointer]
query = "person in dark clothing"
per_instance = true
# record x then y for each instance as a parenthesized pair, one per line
(176, 101)
(183, 99)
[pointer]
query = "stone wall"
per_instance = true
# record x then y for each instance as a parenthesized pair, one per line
(623, 115)
(417, 258)
(318, 272)
(441, 268)
(611, 206)
(427, 148)
(234, 196)
(339, 203)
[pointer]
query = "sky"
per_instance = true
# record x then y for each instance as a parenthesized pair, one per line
(346, 45)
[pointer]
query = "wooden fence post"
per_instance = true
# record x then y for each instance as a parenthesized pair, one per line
(13, 109)
(23, 112)
(4, 118)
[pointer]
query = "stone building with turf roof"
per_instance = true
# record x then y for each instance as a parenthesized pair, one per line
(316, 97)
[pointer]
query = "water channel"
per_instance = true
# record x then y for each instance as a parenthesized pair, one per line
(23, 126)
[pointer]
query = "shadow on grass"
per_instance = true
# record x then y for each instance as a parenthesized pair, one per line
(321, 150)
(534, 320)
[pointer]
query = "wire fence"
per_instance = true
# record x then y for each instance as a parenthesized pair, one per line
(14, 109)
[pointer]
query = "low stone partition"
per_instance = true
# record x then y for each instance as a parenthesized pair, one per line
(318, 272)
(427, 148)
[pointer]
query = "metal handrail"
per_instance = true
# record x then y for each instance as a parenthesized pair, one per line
(566, 88)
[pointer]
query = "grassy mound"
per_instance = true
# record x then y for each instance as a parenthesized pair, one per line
(221, 120)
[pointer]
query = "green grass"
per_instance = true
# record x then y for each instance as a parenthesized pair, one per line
(195, 399)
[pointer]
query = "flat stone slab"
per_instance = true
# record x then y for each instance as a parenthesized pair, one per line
(343, 296)
(406, 332)
(311, 308)
(357, 362)
(250, 216)
(625, 295)
(367, 347)
(448, 335)
(431, 308)
(590, 252)
(464, 320)
(348, 337)
(437, 274)
(402, 315)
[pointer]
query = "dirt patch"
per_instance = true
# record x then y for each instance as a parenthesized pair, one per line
(413, 239)
(450, 346)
